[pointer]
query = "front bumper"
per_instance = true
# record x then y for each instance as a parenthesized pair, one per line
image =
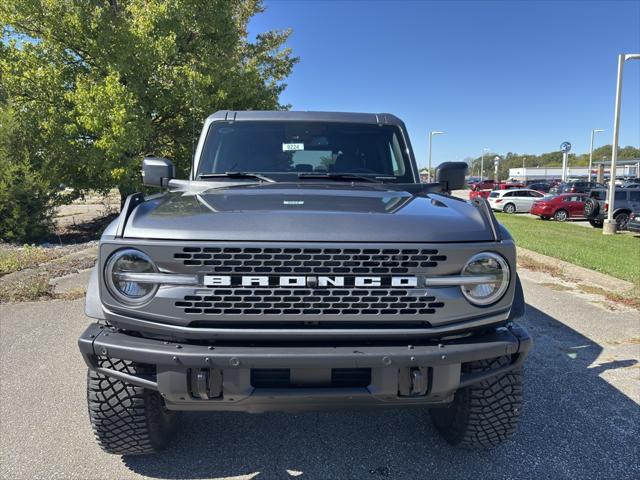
(634, 226)
(219, 377)
(548, 211)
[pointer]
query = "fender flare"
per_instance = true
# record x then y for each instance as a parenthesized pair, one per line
(92, 303)
(518, 305)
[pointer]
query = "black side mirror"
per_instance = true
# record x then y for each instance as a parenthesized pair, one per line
(157, 171)
(452, 175)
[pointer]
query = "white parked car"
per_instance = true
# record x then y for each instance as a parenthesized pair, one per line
(512, 201)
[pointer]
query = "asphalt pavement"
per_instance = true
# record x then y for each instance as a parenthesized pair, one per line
(581, 417)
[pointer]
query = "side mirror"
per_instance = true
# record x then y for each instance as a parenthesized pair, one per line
(157, 171)
(452, 175)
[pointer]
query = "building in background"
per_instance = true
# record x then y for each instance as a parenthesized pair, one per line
(624, 169)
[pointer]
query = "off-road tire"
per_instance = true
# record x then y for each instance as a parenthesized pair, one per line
(509, 208)
(126, 419)
(485, 414)
(561, 215)
(591, 207)
(621, 220)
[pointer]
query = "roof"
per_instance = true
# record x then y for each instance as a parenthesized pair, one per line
(286, 115)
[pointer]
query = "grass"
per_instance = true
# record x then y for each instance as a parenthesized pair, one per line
(13, 259)
(25, 290)
(615, 255)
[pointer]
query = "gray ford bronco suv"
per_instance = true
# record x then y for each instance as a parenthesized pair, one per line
(301, 266)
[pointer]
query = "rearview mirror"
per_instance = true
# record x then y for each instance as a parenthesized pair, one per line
(157, 171)
(452, 175)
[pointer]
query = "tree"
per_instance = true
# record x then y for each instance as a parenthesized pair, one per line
(99, 84)
(550, 159)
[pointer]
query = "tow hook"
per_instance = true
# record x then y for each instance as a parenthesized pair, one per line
(413, 382)
(418, 382)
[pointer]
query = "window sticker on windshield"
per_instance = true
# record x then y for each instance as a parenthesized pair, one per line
(292, 147)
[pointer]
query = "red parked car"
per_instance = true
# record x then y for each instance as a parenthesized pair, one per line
(560, 207)
(508, 186)
(479, 193)
(483, 185)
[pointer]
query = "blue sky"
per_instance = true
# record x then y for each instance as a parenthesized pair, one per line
(518, 76)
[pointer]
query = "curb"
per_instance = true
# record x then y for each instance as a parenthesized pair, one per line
(573, 272)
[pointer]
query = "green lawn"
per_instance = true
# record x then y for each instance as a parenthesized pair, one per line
(615, 255)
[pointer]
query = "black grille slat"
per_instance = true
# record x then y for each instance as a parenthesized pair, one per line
(257, 301)
(338, 261)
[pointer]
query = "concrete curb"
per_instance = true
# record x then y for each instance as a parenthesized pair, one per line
(576, 273)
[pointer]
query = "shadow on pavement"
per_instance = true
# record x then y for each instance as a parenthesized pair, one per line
(574, 424)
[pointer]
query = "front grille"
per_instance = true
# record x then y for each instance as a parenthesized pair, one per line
(276, 301)
(338, 261)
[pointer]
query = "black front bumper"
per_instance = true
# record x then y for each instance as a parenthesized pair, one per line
(201, 377)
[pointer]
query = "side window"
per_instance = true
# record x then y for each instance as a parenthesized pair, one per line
(536, 194)
(620, 196)
(509, 194)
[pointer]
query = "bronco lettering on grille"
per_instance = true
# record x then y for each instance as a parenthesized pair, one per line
(307, 281)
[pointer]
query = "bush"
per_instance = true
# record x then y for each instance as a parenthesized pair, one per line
(26, 207)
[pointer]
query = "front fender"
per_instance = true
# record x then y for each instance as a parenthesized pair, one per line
(518, 305)
(92, 303)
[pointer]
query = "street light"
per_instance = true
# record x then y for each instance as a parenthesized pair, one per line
(593, 132)
(484, 150)
(431, 134)
(496, 162)
(609, 227)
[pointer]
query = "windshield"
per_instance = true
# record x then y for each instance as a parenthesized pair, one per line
(283, 150)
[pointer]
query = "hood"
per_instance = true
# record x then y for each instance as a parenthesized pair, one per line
(324, 213)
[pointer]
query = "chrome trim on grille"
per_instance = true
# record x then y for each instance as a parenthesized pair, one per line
(162, 278)
(454, 280)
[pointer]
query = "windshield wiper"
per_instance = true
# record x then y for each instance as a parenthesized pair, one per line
(236, 175)
(338, 176)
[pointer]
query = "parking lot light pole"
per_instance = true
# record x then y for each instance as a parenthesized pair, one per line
(431, 134)
(609, 227)
(484, 150)
(593, 132)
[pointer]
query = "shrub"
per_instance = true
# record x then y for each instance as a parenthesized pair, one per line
(26, 207)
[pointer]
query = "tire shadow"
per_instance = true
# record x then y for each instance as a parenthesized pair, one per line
(574, 425)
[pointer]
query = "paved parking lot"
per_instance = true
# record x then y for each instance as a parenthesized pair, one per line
(581, 417)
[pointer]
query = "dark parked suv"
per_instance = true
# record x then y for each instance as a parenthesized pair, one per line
(596, 207)
(578, 187)
(302, 265)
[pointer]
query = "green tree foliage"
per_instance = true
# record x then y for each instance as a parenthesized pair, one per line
(25, 193)
(98, 84)
(550, 159)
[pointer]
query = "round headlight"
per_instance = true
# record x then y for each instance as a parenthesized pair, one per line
(491, 278)
(121, 285)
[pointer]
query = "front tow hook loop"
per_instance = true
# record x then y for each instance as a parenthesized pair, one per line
(418, 382)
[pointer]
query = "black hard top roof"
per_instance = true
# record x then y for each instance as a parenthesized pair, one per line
(284, 115)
